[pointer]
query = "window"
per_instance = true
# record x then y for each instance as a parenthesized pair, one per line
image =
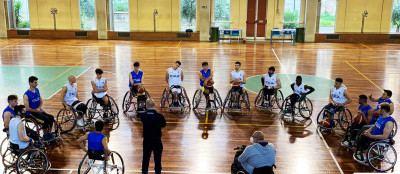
(395, 23)
(87, 14)
(291, 15)
(327, 16)
(188, 15)
(222, 13)
(20, 18)
(119, 13)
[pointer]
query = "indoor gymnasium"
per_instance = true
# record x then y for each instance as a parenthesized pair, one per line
(199, 86)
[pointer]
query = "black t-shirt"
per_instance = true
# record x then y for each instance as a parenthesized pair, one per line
(152, 124)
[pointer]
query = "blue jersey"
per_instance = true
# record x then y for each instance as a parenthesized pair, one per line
(365, 110)
(205, 75)
(33, 98)
(8, 109)
(380, 125)
(137, 78)
(94, 141)
(380, 101)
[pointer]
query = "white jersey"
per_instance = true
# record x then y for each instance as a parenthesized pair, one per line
(100, 85)
(238, 75)
(338, 94)
(299, 89)
(270, 81)
(14, 138)
(70, 96)
(175, 78)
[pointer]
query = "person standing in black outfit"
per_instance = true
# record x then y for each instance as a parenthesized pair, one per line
(152, 124)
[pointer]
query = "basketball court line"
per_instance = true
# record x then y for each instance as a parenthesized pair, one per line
(224, 124)
(319, 133)
(12, 44)
(140, 171)
(359, 72)
(366, 46)
(179, 44)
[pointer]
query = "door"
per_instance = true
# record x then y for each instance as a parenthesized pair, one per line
(256, 18)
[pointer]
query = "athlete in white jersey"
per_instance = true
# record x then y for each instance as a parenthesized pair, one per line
(174, 78)
(237, 80)
(271, 83)
(300, 91)
(69, 98)
(338, 98)
(99, 85)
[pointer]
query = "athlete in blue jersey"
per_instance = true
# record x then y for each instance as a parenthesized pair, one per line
(385, 98)
(364, 110)
(135, 82)
(205, 75)
(97, 142)
(9, 113)
(381, 130)
(33, 103)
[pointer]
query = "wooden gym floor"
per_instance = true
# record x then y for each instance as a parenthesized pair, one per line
(365, 68)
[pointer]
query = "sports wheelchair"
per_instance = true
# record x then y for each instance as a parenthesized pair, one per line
(94, 162)
(275, 103)
(239, 170)
(33, 123)
(94, 111)
(29, 160)
(130, 103)
(303, 106)
(344, 119)
(381, 155)
(244, 101)
(67, 119)
(167, 99)
(215, 100)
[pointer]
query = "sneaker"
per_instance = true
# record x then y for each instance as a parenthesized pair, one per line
(48, 137)
(80, 122)
(176, 104)
(208, 105)
(360, 158)
(105, 116)
(345, 143)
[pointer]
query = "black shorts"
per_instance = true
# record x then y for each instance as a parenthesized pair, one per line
(237, 90)
(268, 91)
(134, 89)
(44, 119)
(100, 100)
(210, 89)
(79, 106)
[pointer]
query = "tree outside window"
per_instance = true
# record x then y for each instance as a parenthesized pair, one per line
(291, 15)
(222, 13)
(188, 15)
(327, 16)
(87, 14)
(120, 15)
(21, 12)
(395, 24)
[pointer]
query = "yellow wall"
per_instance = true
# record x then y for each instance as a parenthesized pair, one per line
(349, 18)
(67, 17)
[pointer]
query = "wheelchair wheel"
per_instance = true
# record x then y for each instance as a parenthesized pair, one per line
(115, 164)
(246, 100)
(278, 99)
(92, 110)
(259, 99)
(345, 118)
(32, 161)
(31, 123)
(197, 98)
(228, 100)
(67, 119)
(127, 102)
(8, 158)
(305, 108)
(164, 97)
(381, 156)
(218, 98)
(185, 97)
(4, 145)
(394, 131)
(84, 165)
(321, 115)
(114, 110)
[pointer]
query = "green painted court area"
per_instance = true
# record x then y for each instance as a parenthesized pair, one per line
(322, 85)
(14, 79)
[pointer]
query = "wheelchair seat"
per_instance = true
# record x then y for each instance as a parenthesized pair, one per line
(96, 154)
(263, 170)
(14, 148)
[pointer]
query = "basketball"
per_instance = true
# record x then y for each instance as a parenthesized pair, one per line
(140, 89)
(358, 119)
(236, 83)
(210, 83)
(376, 114)
(326, 122)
